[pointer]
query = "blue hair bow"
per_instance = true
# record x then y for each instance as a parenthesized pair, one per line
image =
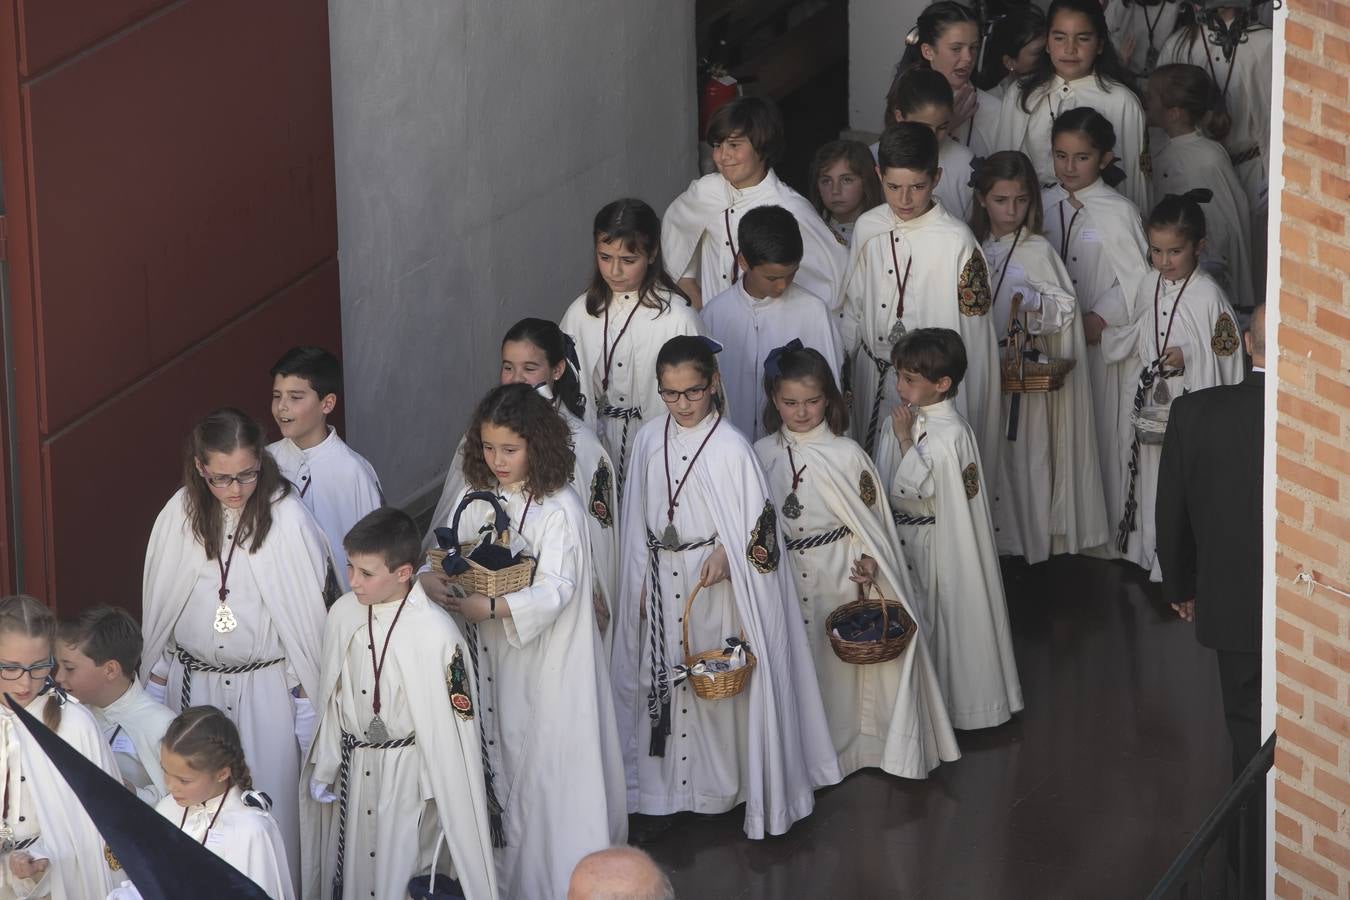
(711, 344)
(771, 368)
(570, 351)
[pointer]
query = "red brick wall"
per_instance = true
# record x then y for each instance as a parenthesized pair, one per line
(1312, 435)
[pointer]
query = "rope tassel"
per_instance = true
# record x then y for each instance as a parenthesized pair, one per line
(1127, 521)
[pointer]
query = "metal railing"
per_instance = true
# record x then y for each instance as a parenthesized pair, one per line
(1185, 878)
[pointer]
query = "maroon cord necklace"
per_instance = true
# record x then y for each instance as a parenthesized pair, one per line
(377, 732)
(212, 823)
(609, 351)
(1161, 395)
(670, 537)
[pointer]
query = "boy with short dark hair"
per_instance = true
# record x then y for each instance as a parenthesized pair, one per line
(97, 658)
(396, 765)
(699, 240)
(915, 265)
(333, 480)
(941, 509)
(764, 310)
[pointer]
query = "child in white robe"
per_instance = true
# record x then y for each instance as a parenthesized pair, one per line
(1048, 489)
(52, 848)
(211, 797)
(631, 308)
(766, 309)
(841, 541)
(938, 490)
(698, 230)
(98, 655)
(335, 482)
(1140, 29)
(545, 705)
(233, 604)
(698, 516)
(843, 185)
(1236, 50)
(1079, 68)
(1184, 337)
(538, 353)
(1100, 239)
(946, 39)
(1181, 101)
(913, 265)
(396, 765)
(924, 96)
(1015, 43)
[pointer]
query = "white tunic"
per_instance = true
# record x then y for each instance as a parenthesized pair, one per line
(133, 725)
(749, 327)
(1148, 26)
(594, 477)
(245, 836)
(1192, 161)
(632, 391)
(890, 715)
(546, 702)
(699, 237)
(947, 287)
(400, 800)
(1246, 84)
(1048, 490)
(1030, 132)
(769, 746)
(956, 563)
(42, 805)
(1105, 254)
(1201, 323)
(276, 593)
(336, 484)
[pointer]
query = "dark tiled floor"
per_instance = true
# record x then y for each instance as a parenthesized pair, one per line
(1090, 792)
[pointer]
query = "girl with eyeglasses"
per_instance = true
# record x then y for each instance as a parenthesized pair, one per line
(697, 515)
(233, 601)
(48, 845)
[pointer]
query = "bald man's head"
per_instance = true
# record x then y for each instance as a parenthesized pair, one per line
(619, 873)
(1256, 337)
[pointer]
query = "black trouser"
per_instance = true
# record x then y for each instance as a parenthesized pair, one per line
(1240, 682)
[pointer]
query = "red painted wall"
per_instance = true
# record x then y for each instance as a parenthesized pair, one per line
(169, 178)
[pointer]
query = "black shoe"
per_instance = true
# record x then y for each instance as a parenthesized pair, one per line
(648, 829)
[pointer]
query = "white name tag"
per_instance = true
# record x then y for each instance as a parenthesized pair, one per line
(1090, 235)
(123, 744)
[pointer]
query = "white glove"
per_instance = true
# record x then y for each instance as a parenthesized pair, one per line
(305, 722)
(320, 791)
(158, 692)
(126, 892)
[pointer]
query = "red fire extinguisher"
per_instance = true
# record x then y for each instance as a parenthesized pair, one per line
(719, 89)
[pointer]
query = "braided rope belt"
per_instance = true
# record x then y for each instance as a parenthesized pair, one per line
(16, 846)
(658, 696)
(351, 742)
(627, 414)
(818, 540)
(193, 664)
(883, 366)
(902, 519)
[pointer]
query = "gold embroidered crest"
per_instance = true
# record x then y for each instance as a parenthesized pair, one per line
(457, 683)
(1225, 340)
(111, 859)
(763, 550)
(972, 288)
(867, 488)
(601, 504)
(971, 478)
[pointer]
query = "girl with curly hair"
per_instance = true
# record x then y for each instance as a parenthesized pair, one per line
(544, 697)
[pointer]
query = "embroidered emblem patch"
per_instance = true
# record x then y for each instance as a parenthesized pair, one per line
(602, 494)
(763, 550)
(1225, 340)
(867, 488)
(457, 682)
(972, 288)
(971, 478)
(111, 859)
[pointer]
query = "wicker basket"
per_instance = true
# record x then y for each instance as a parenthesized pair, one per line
(1150, 424)
(478, 578)
(726, 684)
(1020, 375)
(863, 653)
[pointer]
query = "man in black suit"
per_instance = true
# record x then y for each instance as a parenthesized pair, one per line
(1209, 539)
(1209, 532)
